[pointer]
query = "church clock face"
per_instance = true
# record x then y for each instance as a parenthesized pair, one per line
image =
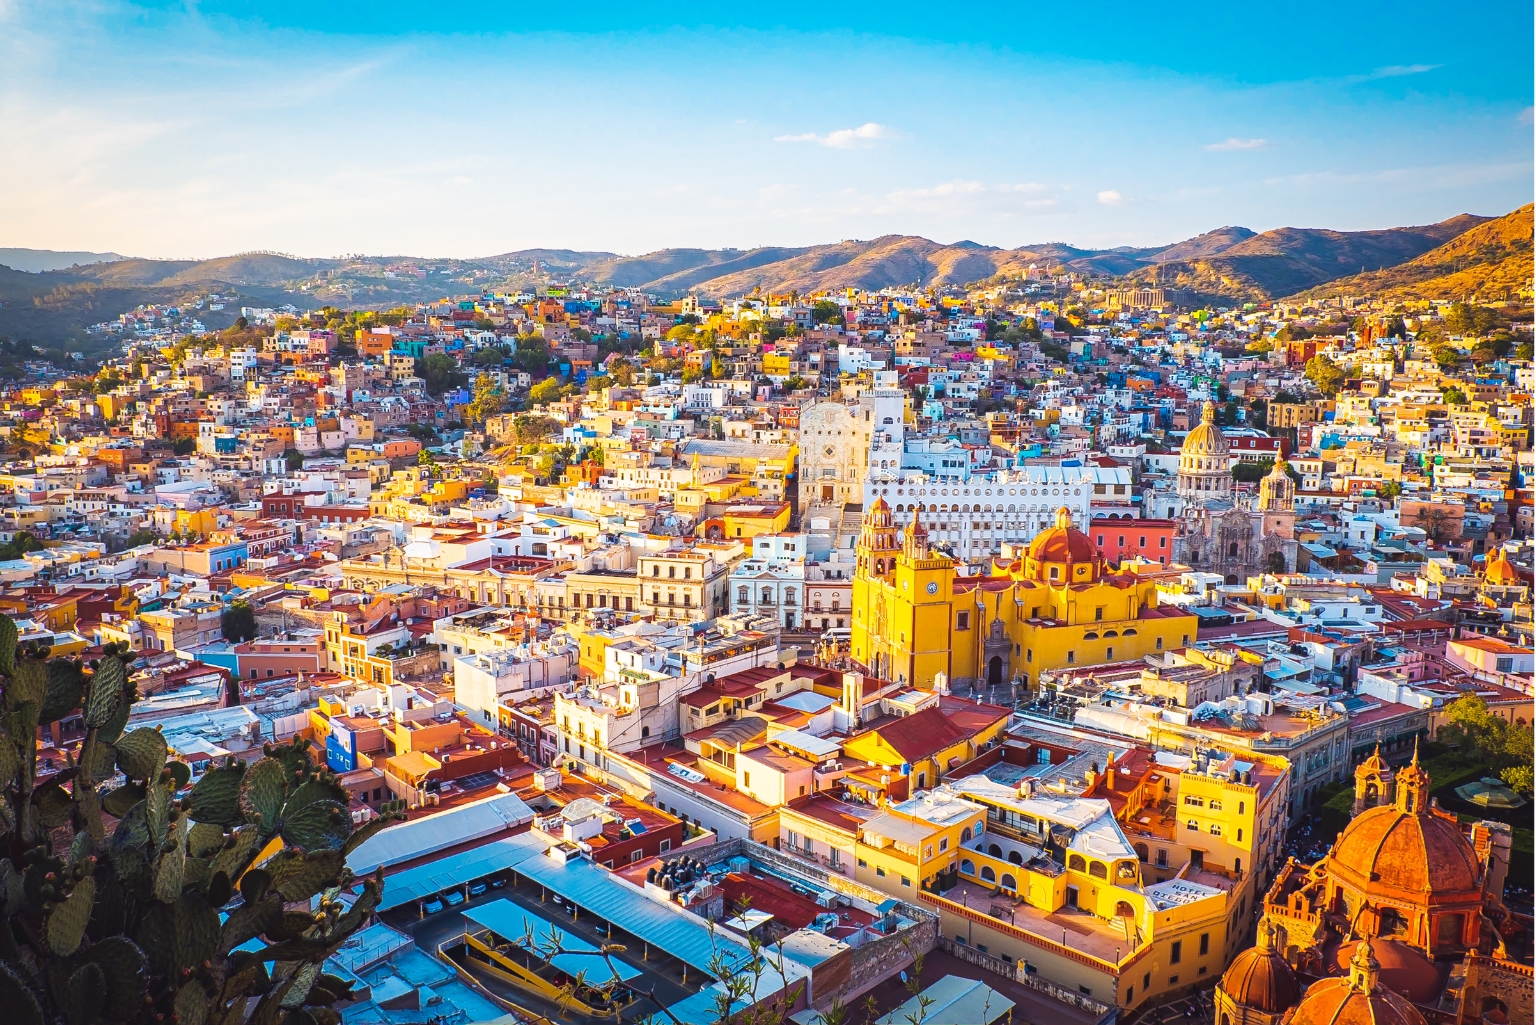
(933, 587)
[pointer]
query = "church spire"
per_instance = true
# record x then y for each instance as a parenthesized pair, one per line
(1413, 786)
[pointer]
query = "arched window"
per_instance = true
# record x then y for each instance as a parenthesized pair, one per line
(994, 850)
(1077, 863)
(968, 867)
(1232, 549)
(1097, 870)
(987, 875)
(1016, 857)
(1009, 883)
(965, 835)
(1123, 909)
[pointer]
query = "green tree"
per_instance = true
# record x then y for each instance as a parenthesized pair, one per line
(1482, 737)
(1275, 563)
(1452, 395)
(530, 429)
(184, 446)
(623, 372)
(825, 311)
(532, 354)
(238, 622)
(19, 545)
(490, 356)
(294, 459)
(1519, 777)
(440, 373)
(545, 391)
(487, 401)
(1467, 320)
(1327, 375)
(143, 537)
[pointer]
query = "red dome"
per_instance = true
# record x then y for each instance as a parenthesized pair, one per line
(1063, 542)
(1404, 969)
(1336, 1002)
(1361, 999)
(1259, 978)
(1390, 848)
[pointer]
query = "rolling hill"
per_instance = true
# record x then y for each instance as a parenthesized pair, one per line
(1286, 261)
(1457, 256)
(1490, 261)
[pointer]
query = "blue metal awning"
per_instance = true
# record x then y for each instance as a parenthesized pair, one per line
(537, 933)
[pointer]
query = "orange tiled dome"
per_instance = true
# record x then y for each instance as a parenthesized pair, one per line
(1063, 542)
(1498, 571)
(1357, 1000)
(1404, 969)
(1259, 977)
(1391, 848)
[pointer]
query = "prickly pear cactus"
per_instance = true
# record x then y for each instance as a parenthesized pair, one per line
(123, 891)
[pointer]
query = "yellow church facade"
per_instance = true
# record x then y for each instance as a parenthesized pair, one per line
(1058, 605)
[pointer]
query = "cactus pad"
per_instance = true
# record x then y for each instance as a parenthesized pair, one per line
(66, 687)
(29, 682)
(105, 692)
(316, 790)
(262, 793)
(317, 826)
(301, 877)
(191, 1004)
(216, 798)
(7, 645)
(141, 754)
(10, 761)
(248, 922)
(20, 1004)
(181, 773)
(122, 962)
(170, 869)
(204, 838)
(232, 860)
(157, 812)
(67, 923)
(181, 935)
(118, 803)
(85, 995)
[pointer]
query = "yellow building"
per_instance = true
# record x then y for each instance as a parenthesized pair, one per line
(1057, 605)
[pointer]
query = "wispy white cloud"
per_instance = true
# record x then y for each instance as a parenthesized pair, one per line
(1237, 144)
(1109, 197)
(1528, 115)
(1392, 71)
(866, 134)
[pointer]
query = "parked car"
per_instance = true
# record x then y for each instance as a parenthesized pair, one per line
(477, 887)
(433, 906)
(498, 882)
(453, 897)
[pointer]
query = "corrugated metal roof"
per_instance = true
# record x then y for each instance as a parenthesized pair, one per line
(418, 883)
(407, 841)
(661, 924)
(518, 924)
(953, 1001)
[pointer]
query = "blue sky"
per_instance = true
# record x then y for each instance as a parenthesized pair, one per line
(464, 129)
